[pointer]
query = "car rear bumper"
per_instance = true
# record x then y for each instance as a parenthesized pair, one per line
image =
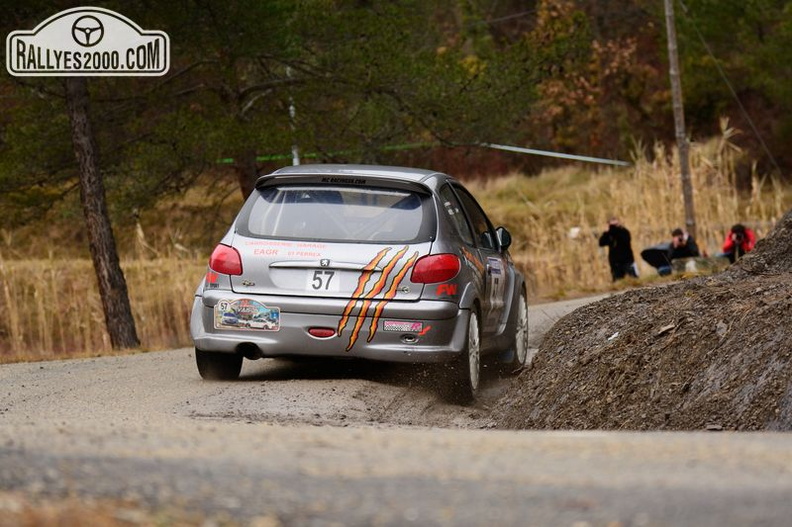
(422, 331)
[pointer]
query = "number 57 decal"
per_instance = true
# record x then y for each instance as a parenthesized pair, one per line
(322, 281)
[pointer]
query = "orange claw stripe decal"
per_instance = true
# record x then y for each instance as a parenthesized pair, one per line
(361, 285)
(378, 286)
(473, 260)
(389, 295)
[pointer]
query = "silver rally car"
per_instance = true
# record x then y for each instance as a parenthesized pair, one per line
(375, 262)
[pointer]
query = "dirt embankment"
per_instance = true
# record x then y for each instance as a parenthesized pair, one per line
(705, 353)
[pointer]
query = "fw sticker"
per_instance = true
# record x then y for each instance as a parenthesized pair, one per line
(87, 41)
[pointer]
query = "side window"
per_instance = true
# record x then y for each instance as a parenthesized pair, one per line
(454, 212)
(482, 229)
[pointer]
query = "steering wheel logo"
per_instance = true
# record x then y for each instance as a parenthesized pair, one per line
(87, 31)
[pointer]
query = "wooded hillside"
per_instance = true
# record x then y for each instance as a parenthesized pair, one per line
(407, 82)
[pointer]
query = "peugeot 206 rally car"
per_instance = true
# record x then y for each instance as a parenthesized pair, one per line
(374, 262)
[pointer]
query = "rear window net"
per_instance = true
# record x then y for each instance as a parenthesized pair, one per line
(338, 214)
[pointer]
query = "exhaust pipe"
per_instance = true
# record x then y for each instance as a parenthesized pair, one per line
(250, 351)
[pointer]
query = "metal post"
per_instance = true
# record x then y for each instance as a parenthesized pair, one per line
(679, 119)
(295, 150)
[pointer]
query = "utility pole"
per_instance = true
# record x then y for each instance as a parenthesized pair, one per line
(679, 119)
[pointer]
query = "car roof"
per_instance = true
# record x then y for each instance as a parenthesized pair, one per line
(374, 171)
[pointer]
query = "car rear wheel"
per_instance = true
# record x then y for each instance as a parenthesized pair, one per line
(466, 371)
(519, 355)
(218, 366)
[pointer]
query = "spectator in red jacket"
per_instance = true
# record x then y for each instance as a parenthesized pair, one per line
(739, 241)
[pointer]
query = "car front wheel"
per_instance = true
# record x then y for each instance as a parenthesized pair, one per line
(218, 366)
(466, 371)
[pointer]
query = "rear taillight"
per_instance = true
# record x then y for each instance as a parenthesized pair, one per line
(435, 268)
(225, 260)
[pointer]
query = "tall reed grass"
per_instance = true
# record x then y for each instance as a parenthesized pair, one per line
(51, 307)
(557, 217)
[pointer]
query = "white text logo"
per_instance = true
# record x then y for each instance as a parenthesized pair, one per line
(87, 41)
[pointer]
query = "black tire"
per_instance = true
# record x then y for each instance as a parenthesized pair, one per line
(465, 372)
(218, 366)
(519, 351)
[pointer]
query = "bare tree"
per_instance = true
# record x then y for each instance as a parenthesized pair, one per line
(112, 285)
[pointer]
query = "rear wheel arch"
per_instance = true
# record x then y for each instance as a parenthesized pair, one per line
(469, 297)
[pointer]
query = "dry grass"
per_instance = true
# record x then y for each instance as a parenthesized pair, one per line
(556, 218)
(52, 310)
(48, 290)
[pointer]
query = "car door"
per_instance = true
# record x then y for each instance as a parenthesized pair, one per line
(486, 244)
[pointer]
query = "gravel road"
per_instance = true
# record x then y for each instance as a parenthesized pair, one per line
(359, 444)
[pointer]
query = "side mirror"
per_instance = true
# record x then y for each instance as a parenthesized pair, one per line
(504, 238)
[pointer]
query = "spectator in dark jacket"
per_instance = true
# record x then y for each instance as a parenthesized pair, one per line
(620, 253)
(683, 245)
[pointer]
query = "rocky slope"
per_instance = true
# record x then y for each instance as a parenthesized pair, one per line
(705, 353)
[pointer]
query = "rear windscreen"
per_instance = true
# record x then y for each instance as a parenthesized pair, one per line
(339, 214)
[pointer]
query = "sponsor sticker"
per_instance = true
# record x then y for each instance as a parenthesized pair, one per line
(87, 41)
(447, 289)
(245, 313)
(211, 280)
(495, 265)
(345, 180)
(402, 325)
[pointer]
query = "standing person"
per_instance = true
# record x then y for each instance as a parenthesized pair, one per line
(620, 253)
(739, 241)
